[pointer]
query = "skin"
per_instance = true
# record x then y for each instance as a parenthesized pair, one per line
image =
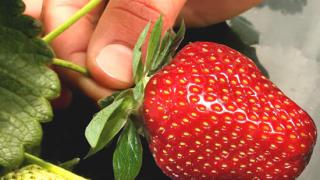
(103, 40)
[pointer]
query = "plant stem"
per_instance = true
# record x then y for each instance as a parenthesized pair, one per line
(70, 65)
(73, 19)
(52, 168)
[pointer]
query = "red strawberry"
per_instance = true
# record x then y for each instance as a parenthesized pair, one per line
(212, 114)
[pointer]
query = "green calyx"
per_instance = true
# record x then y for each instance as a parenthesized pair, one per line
(122, 108)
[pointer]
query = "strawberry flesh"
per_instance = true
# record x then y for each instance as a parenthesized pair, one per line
(211, 114)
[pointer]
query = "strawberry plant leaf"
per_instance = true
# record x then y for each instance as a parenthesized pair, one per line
(127, 158)
(96, 126)
(26, 84)
(113, 97)
(169, 45)
(10, 152)
(11, 17)
(138, 91)
(178, 37)
(109, 99)
(154, 42)
(137, 54)
(164, 53)
(107, 123)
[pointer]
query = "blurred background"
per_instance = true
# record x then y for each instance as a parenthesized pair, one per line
(281, 36)
(288, 47)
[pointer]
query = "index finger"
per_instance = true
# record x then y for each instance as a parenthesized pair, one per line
(72, 43)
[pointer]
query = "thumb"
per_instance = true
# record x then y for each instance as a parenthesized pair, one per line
(110, 49)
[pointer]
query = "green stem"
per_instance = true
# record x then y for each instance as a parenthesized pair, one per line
(73, 19)
(52, 168)
(70, 65)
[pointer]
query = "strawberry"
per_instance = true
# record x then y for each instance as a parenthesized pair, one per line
(211, 114)
(46, 171)
(34, 172)
(207, 114)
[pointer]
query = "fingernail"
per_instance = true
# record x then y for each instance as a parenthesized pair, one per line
(116, 61)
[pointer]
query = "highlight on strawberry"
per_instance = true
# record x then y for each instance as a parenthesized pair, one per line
(207, 114)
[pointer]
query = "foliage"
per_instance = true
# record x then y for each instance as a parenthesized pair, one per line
(26, 84)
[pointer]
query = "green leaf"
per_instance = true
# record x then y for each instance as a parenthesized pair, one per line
(138, 91)
(169, 45)
(178, 37)
(154, 43)
(96, 127)
(137, 54)
(109, 99)
(164, 53)
(11, 152)
(113, 97)
(107, 123)
(11, 17)
(127, 158)
(26, 84)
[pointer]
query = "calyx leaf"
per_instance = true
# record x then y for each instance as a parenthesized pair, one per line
(153, 44)
(118, 107)
(178, 37)
(167, 48)
(127, 158)
(137, 55)
(107, 123)
(26, 84)
(113, 97)
(96, 126)
(164, 53)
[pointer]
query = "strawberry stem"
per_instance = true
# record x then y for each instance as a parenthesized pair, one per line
(69, 65)
(73, 19)
(51, 167)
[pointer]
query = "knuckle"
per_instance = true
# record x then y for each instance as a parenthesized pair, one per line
(141, 9)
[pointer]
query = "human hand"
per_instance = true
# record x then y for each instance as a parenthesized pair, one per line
(103, 40)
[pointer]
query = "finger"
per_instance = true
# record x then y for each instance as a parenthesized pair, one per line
(213, 11)
(72, 44)
(33, 8)
(75, 39)
(110, 49)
